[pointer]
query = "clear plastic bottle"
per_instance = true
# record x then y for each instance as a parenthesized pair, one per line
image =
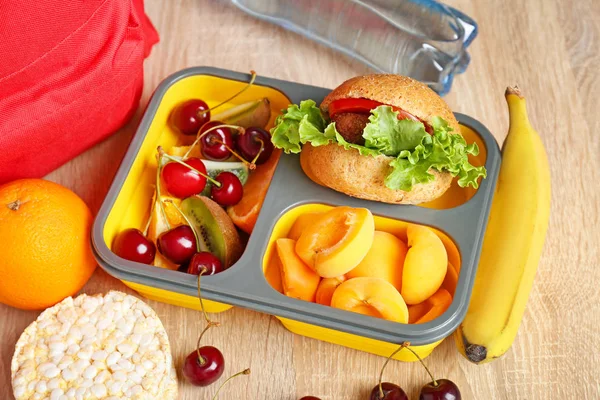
(422, 39)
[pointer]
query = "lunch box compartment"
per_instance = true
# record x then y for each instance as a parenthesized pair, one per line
(461, 220)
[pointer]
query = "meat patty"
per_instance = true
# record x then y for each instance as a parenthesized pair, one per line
(351, 125)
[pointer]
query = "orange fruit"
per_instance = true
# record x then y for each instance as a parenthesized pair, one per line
(45, 235)
(245, 213)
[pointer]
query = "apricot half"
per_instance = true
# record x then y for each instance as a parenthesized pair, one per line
(431, 308)
(297, 279)
(337, 241)
(451, 279)
(384, 259)
(371, 296)
(301, 223)
(326, 289)
(425, 264)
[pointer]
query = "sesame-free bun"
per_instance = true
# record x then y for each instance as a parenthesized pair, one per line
(395, 90)
(349, 172)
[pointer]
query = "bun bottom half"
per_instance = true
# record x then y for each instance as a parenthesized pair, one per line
(349, 172)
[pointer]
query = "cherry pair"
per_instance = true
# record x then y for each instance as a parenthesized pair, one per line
(188, 178)
(442, 389)
(217, 142)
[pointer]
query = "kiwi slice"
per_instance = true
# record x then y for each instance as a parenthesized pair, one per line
(255, 113)
(215, 230)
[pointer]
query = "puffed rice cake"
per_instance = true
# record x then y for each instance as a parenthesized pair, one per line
(110, 346)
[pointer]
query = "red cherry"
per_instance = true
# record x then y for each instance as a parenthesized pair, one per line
(444, 390)
(189, 116)
(231, 190)
(204, 260)
(203, 372)
(131, 244)
(178, 244)
(255, 143)
(216, 144)
(183, 182)
(390, 392)
(310, 398)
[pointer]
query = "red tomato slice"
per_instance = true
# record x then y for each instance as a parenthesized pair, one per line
(364, 106)
(358, 106)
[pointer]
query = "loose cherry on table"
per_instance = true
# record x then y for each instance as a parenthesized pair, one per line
(441, 389)
(131, 244)
(181, 180)
(216, 141)
(205, 262)
(204, 366)
(255, 145)
(229, 191)
(177, 244)
(189, 116)
(310, 398)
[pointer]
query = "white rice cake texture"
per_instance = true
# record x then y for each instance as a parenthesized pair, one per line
(109, 346)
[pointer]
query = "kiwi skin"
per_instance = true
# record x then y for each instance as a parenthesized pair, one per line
(219, 226)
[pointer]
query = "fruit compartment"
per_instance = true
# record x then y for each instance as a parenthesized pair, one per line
(244, 284)
(128, 204)
(387, 263)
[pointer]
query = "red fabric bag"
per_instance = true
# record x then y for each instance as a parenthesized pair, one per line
(71, 73)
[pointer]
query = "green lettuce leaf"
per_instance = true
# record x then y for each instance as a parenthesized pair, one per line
(298, 125)
(347, 145)
(444, 151)
(386, 133)
(415, 152)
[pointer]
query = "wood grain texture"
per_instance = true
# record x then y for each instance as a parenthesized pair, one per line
(550, 48)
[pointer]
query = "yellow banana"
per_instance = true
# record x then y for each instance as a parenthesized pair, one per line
(512, 243)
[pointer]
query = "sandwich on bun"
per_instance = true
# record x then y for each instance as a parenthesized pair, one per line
(380, 137)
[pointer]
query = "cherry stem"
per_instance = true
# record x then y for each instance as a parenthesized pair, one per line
(175, 159)
(262, 147)
(240, 129)
(201, 359)
(422, 363)
(404, 345)
(208, 321)
(158, 194)
(187, 220)
(252, 79)
(244, 372)
(149, 218)
(250, 165)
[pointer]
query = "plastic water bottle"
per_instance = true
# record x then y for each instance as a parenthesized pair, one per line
(423, 39)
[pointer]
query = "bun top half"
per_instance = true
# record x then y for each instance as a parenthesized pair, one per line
(400, 91)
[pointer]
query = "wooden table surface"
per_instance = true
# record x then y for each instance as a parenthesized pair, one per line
(550, 48)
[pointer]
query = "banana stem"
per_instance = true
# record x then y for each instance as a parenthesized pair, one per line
(513, 90)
